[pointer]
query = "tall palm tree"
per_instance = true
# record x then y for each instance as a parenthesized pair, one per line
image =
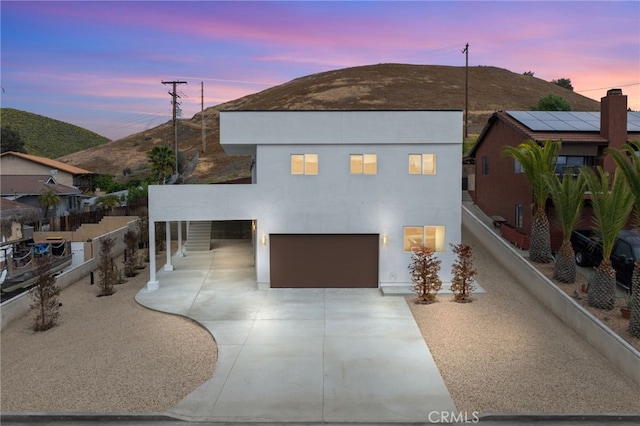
(629, 165)
(568, 199)
(48, 198)
(611, 208)
(537, 161)
(162, 161)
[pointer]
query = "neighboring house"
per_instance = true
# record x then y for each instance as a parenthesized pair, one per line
(27, 188)
(499, 186)
(13, 215)
(337, 199)
(16, 163)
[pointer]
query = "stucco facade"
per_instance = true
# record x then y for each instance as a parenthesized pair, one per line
(333, 200)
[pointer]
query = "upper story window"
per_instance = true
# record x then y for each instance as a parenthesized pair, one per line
(304, 164)
(571, 164)
(366, 164)
(422, 164)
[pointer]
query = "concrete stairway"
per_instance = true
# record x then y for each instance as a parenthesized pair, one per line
(198, 237)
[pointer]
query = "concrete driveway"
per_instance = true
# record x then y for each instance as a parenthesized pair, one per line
(299, 355)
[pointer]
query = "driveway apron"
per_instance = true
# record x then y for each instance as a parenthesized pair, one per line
(298, 355)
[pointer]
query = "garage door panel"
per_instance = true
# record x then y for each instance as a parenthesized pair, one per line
(324, 260)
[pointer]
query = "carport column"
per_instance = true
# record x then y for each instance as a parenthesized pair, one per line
(168, 266)
(180, 252)
(153, 284)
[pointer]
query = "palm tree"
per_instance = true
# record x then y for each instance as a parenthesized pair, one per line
(537, 161)
(611, 209)
(162, 161)
(48, 198)
(568, 199)
(629, 165)
(109, 200)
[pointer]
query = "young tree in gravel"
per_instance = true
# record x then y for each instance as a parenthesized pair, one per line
(107, 273)
(611, 206)
(629, 165)
(568, 199)
(463, 273)
(537, 161)
(45, 294)
(424, 270)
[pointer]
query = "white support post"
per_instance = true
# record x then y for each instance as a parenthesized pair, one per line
(153, 283)
(168, 266)
(180, 252)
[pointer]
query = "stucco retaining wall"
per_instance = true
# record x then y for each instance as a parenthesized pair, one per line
(609, 344)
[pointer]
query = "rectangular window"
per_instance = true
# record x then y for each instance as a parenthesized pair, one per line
(519, 217)
(422, 164)
(364, 164)
(416, 237)
(304, 164)
(485, 165)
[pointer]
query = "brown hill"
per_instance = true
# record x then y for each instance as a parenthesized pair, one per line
(373, 87)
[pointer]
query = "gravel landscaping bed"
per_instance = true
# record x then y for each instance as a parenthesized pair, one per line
(505, 352)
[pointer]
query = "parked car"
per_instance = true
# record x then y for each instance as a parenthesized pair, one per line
(588, 252)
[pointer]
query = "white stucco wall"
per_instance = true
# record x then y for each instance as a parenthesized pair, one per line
(334, 201)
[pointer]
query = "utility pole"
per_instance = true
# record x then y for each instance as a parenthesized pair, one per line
(175, 95)
(466, 90)
(204, 141)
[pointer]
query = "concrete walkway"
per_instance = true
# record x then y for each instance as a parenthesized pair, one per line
(299, 355)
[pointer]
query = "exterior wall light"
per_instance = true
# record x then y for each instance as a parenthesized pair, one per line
(264, 239)
(384, 239)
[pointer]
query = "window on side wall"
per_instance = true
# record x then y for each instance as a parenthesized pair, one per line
(422, 164)
(485, 165)
(304, 164)
(517, 167)
(366, 164)
(416, 237)
(519, 216)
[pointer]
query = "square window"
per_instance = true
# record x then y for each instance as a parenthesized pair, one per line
(304, 164)
(422, 164)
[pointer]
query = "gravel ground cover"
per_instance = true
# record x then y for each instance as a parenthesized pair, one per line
(505, 352)
(107, 354)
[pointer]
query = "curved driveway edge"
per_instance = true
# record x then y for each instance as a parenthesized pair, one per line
(299, 355)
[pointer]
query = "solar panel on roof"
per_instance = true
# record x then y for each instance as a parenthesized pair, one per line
(569, 121)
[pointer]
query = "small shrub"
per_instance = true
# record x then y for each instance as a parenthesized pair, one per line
(130, 242)
(424, 270)
(106, 270)
(45, 294)
(463, 273)
(120, 277)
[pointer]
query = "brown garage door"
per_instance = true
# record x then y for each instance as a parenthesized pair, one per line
(324, 260)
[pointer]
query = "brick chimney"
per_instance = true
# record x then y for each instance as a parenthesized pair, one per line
(613, 122)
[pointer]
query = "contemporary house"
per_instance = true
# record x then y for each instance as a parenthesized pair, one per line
(336, 199)
(17, 163)
(499, 186)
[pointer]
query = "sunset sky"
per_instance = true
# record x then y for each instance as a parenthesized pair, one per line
(99, 65)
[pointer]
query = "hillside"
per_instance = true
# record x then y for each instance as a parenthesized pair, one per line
(373, 87)
(47, 137)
